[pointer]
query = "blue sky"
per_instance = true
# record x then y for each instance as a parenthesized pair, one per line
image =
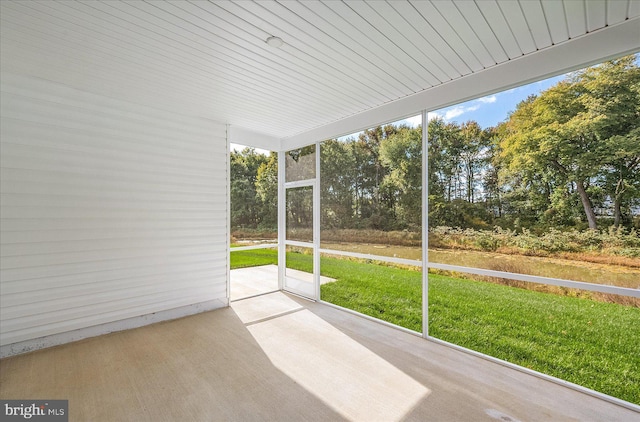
(487, 111)
(491, 109)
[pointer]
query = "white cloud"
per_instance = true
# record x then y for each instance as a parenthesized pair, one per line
(454, 112)
(434, 115)
(488, 100)
(414, 121)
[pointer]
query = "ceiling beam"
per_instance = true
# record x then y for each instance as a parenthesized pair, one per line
(577, 53)
(241, 136)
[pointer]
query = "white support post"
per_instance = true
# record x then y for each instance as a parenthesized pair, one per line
(425, 225)
(316, 225)
(228, 170)
(282, 220)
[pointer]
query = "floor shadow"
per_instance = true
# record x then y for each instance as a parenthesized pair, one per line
(463, 386)
(278, 357)
(202, 367)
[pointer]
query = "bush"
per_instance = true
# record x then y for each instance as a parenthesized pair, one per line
(612, 241)
(487, 243)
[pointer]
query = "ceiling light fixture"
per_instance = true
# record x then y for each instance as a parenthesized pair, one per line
(275, 42)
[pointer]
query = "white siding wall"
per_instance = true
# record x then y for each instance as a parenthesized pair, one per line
(109, 211)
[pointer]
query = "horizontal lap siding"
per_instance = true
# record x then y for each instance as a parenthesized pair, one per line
(109, 210)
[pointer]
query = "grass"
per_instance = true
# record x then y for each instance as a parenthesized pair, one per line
(253, 258)
(589, 343)
(541, 266)
(397, 300)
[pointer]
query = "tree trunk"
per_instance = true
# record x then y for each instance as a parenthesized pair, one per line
(586, 204)
(472, 197)
(617, 203)
(617, 212)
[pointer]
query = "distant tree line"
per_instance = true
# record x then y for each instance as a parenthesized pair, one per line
(254, 189)
(566, 158)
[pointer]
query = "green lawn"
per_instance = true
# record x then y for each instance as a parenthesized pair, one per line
(590, 343)
(253, 258)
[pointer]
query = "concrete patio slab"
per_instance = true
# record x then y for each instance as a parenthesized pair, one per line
(252, 281)
(277, 357)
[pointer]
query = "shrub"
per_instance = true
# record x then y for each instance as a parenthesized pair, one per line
(487, 242)
(609, 242)
(612, 241)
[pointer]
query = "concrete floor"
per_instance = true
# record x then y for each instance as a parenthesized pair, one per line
(280, 358)
(252, 281)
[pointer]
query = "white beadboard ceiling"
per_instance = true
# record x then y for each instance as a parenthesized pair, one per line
(339, 58)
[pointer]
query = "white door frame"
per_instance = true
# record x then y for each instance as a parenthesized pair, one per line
(282, 225)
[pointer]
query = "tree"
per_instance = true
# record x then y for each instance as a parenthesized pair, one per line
(621, 174)
(472, 153)
(611, 99)
(372, 203)
(401, 153)
(444, 159)
(337, 189)
(543, 133)
(267, 192)
(493, 189)
(586, 129)
(244, 169)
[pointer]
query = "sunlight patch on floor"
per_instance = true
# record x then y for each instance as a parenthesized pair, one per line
(345, 375)
(253, 281)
